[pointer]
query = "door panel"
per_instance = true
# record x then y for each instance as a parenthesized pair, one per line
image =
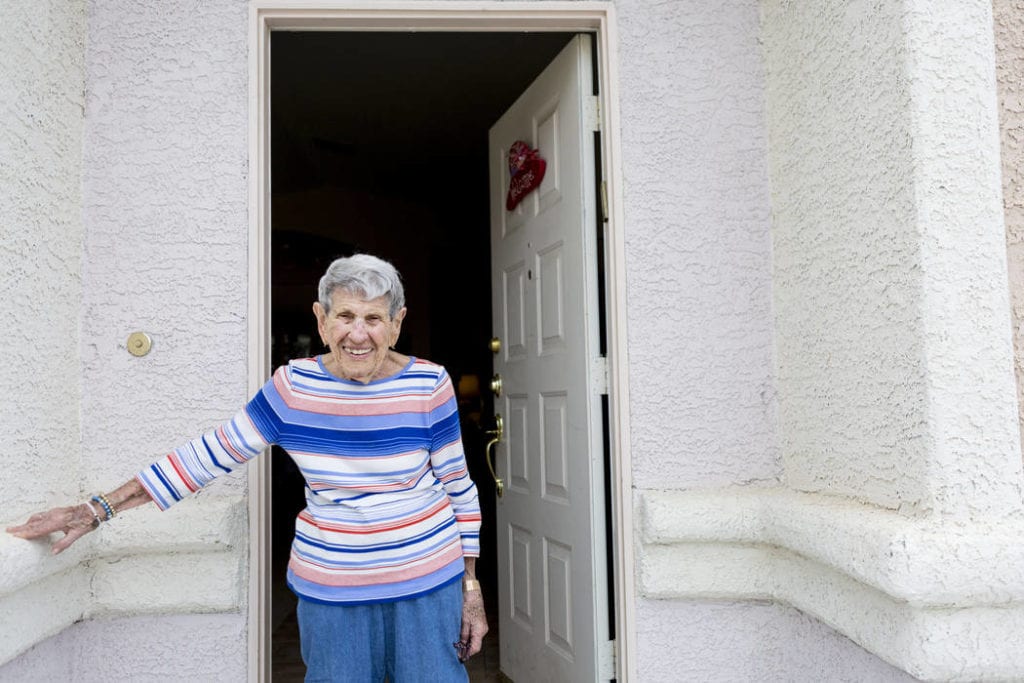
(551, 544)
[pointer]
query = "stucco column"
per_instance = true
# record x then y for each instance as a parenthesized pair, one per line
(1009, 33)
(892, 328)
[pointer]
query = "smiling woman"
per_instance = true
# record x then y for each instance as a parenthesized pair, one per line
(358, 324)
(391, 524)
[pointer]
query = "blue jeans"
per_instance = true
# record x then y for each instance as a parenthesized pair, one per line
(409, 641)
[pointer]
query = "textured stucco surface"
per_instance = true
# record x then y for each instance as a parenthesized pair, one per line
(42, 71)
(863, 227)
(941, 602)
(164, 205)
(188, 559)
(165, 214)
(698, 249)
(136, 216)
(722, 641)
(139, 649)
(897, 417)
(890, 275)
(41, 100)
(1009, 38)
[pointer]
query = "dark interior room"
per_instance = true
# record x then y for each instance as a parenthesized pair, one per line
(379, 145)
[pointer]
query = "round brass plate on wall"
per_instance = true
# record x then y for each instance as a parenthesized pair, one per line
(139, 343)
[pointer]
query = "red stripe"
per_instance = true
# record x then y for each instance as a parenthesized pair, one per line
(182, 473)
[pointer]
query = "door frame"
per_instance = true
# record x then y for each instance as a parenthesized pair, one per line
(599, 18)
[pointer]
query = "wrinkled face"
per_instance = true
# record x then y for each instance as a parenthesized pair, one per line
(359, 333)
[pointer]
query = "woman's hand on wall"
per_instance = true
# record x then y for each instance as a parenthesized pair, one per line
(75, 521)
(78, 520)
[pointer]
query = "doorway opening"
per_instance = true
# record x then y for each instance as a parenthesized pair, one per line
(379, 144)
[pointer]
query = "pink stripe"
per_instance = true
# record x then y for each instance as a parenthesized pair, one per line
(222, 437)
(384, 575)
(357, 407)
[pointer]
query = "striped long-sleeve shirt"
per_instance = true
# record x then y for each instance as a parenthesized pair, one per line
(390, 509)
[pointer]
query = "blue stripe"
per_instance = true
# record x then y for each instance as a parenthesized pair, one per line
(340, 547)
(151, 490)
(212, 456)
(167, 484)
(368, 595)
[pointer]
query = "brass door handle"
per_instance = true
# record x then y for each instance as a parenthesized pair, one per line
(495, 434)
(496, 385)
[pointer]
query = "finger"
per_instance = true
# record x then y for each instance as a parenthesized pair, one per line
(70, 537)
(475, 643)
(34, 528)
(479, 632)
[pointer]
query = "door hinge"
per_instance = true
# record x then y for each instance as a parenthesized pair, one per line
(593, 112)
(604, 201)
(608, 664)
(599, 374)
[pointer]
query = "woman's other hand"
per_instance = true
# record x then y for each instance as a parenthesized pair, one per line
(474, 622)
(75, 522)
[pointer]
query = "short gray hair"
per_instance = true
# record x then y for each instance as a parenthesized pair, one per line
(366, 275)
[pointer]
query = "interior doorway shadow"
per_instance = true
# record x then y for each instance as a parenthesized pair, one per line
(379, 144)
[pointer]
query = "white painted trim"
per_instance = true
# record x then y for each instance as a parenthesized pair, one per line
(623, 543)
(258, 607)
(434, 15)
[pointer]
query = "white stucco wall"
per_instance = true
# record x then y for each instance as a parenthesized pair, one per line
(133, 218)
(1009, 36)
(42, 99)
(41, 102)
(900, 506)
(889, 291)
(143, 649)
(723, 641)
(698, 244)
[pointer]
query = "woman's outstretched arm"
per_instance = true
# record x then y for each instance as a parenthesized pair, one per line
(78, 520)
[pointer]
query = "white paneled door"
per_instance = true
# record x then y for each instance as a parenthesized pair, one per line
(553, 604)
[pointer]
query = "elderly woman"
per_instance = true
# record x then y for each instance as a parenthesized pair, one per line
(383, 560)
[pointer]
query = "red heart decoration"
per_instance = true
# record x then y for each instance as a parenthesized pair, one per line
(526, 168)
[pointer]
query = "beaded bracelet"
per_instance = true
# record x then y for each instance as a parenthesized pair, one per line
(113, 510)
(95, 516)
(105, 504)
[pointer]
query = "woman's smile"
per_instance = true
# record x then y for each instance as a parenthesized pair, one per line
(359, 333)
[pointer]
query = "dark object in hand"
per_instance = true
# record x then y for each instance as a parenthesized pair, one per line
(461, 648)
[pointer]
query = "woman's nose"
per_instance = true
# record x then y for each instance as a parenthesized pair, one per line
(358, 329)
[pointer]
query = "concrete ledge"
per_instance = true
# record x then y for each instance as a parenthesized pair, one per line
(186, 560)
(42, 609)
(943, 601)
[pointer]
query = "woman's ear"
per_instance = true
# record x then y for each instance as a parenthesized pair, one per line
(321, 321)
(396, 325)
